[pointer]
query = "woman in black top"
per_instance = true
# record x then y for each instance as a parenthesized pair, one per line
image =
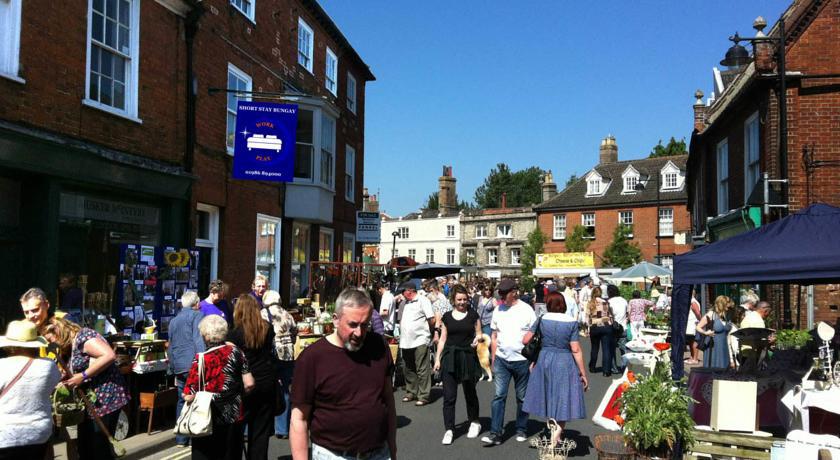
(255, 337)
(457, 361)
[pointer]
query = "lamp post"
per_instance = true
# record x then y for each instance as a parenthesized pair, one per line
(641, 187)
(396, 235)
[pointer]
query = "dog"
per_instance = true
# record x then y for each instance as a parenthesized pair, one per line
(482, 348)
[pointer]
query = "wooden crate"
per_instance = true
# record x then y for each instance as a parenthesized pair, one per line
(738, 445)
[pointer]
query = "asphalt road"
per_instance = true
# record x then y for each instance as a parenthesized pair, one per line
(420, 429)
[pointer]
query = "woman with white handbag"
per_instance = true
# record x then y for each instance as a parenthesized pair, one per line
(214, 388)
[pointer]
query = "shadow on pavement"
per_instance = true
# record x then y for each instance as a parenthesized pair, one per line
(403, 421)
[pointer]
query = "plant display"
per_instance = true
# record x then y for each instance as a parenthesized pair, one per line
(791, 339)
(654, 413)
(658, 320)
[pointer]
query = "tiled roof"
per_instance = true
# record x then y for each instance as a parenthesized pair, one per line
(574, 196)
(424, 214)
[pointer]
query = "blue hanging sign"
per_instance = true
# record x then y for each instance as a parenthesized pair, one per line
(264, 146)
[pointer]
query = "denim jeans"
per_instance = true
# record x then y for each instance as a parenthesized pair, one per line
(485, 329)
(322, 453)
(180, 381)
(285, 372)
(503, 370)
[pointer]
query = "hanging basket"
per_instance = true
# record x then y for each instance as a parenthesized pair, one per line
(67, 410)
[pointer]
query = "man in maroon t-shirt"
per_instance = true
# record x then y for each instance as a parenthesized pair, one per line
(341, 393)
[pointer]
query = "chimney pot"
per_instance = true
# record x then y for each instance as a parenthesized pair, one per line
(608, 153)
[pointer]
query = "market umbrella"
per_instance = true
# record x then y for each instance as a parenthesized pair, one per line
(640, 272)
(430, 270)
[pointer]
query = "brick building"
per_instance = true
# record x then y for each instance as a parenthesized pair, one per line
(621, 192)
(736, 140)
(92, 135)
(492, 240)
(291, 52)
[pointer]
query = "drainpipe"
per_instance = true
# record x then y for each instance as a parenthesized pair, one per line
(190, 30)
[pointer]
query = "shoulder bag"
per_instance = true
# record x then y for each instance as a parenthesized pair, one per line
(704, 342)
(17, 377)
(531, 351)
(196, 419)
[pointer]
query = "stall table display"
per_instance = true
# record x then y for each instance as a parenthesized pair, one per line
(144, 365)
(700, 384)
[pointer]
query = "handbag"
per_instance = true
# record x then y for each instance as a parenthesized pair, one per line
(531, 351)
(704, 342)
(196, 419)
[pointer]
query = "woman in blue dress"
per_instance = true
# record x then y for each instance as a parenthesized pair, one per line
(715, 323)
(558, 378)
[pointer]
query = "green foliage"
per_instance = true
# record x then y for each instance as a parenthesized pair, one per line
(433, 202)
(626, 291)
(655, 412)
(523, 188)
(787, 339)
(621, 252)
(534, 245)
(658, 320)
(674, 147)
(571, 180)
(578, 241)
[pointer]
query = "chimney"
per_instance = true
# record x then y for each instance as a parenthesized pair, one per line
(447, 198)
(504, 200)
(549, 188)
(699, 112)
(365, 199)
(608, 151)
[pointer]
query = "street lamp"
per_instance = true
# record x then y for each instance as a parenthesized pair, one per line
(396, 235)
(639, 187)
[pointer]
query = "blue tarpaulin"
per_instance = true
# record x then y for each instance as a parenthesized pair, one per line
(802, 248)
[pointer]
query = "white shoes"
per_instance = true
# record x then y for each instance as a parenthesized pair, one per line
(447, 438)
(520, 437)
(475, 429)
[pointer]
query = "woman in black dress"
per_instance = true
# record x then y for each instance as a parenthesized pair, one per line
(457, 361)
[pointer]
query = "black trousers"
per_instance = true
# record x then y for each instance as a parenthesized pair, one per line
(450, 396)
(92, 443)
(259, 417)
(224, 444)
(602, 340)
(31, 452)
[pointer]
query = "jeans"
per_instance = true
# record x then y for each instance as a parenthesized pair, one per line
(180, 381)
(417, 372)
(620, 345)
(503, 370)
(285, 372)
(485, 329)
(601, 338)
(322, 453)
(450, 396)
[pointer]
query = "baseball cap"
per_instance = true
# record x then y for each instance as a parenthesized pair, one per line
(507, 285)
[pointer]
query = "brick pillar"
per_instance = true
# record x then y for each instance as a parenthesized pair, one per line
(699, 112)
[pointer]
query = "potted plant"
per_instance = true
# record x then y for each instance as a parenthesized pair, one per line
(654, 414)
(792, 339)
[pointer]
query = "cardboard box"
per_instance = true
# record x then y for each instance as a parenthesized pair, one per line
(734, 406)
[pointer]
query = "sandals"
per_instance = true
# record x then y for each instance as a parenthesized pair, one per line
(408, 399)
(421, 402)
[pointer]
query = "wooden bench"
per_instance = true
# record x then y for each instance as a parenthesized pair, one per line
(717, 444)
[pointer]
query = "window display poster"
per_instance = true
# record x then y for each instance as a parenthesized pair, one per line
(152, 281)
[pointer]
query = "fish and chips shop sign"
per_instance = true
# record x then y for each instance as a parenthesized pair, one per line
(264, 141)
(581, 260)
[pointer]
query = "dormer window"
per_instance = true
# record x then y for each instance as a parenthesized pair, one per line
(670, 180)
(669, 177)
(630, 177)
(594, 186)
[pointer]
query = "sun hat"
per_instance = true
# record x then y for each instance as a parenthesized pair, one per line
(22, 334)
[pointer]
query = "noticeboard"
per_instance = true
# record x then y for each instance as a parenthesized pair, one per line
(368, 225)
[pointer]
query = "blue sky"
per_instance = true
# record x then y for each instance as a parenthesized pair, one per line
(528, 83)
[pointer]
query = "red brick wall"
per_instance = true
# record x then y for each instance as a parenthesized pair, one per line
(267, 51)
(53, 63)
(644, 230)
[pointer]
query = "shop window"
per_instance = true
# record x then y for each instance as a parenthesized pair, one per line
(246, 7)
(331, 73)
(325, 244)
(239, 81)
(588, 222)
(112, 45)
(450, 256)
(306, 45)
(268, 249)
(559, 230)
(349, 248)
(10, 38)
(300, 259)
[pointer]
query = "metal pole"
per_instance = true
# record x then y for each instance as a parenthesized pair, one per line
(783, 168)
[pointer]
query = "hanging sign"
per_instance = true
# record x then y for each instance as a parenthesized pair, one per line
(581, 260)
(367, 227)
(264, 146)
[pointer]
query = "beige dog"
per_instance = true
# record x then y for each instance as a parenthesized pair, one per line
(482, 348)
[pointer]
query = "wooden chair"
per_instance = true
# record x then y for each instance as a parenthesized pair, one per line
(157, 400)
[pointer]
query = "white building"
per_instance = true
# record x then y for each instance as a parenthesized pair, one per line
(426, 236)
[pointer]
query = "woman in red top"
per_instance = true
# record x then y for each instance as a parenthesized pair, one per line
(227, 375)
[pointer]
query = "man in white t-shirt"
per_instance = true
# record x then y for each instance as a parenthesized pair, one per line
(416, 320)
(386, 307)
(511, 320)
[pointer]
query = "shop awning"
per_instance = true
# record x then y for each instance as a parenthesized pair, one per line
(802, 248)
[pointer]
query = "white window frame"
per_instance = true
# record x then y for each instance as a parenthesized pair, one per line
(248, 14)
(212, 240)
(351, 92)
(412, 253)
(317, 149)
(331, 72)
(10, 27)
(630, 183)
(274, 281)
(450, 256)
(481, 231)
(559, 227)
(670, 180)
(308, 52)
(515, 256)
(469, 254)
(326, 160)
(492, 256)
(430, 255)
(450, 231)
(593, 186)
(722, 167)
(349, 173)
(666, 261)
(625, 217)
(241, 75)
(403, 231)
(500, 233)
(666, 222)
(331, 233)
(583, 221)
(133, 64)
(752, 154)
(352, 239)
